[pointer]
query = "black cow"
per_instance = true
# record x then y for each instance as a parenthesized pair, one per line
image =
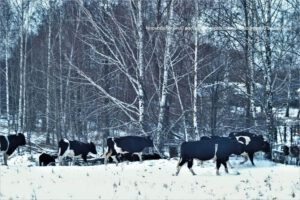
(253, 142)
(75, 149)
(218, 148)
(127, 144)
(292, 152)
(8, 144)
(46, 159)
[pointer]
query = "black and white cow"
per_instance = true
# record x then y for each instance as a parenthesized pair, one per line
(9, 143)
(127, 144)
(134, 157)
(46, 159)
(292, 152)
(209, 148)
(253, 142)
(75, 149)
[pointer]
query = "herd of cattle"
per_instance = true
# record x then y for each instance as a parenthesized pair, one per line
(131, 147)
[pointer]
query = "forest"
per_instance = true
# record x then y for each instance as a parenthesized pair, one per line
(172, 69)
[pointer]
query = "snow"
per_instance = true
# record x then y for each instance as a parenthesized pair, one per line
(148, 180)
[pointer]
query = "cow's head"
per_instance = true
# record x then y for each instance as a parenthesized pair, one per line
(93, 148)
(285, 150)
(21, 139)
(266, 147)
(295, 151)
(149, 141)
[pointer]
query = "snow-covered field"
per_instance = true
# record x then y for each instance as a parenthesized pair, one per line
(148, 180)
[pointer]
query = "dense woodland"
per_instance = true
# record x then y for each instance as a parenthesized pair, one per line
(172, 69)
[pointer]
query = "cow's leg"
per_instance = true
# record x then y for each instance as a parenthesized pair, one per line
(59, 161)
(190, 165)
(73, 161)
(230, 165)
(5, 156)
(84, 157)
(140, 157)
(218, 165)
(225, 166)
(245, 156)
(115, 159)
(179, 165)
(107, 155)
(251, 156)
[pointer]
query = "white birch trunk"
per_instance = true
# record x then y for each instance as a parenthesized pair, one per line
(7, 82)
(269, 103)
(21, 76)
(252, 86)
(141, 68)
(164, 92)
(195, 88)
(48, 81)
(24, 83)
(62, 113)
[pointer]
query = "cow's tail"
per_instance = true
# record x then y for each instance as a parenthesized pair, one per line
(180, 159)
(59, 150)
(216, 149)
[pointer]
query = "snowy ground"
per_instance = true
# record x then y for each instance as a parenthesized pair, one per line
(148, 180)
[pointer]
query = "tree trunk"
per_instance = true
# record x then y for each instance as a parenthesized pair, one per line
(20, 127)
(61, 103)
(24, 82)
(195, 88)
(164, 90)
(249, 67)
(181, 105)
(141, 69)
(287, 111)
(48, 82)
(7, 81)
(268, 76)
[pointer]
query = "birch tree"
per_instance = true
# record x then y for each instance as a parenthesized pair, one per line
(6, 24)
(166, 66)
(48, 77)
(140, 67)
(21, 67)
(195, 88)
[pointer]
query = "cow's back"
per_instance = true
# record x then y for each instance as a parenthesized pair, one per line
(131, 144)
(79, 147)
(203, 149)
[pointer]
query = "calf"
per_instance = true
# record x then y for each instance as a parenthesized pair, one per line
(75, 149)
(127, 144)
(46, 159)
(8, 144)
(253, 142)
(206, 149)
(292, 152)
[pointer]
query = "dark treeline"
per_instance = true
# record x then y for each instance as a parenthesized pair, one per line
(173, 69)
